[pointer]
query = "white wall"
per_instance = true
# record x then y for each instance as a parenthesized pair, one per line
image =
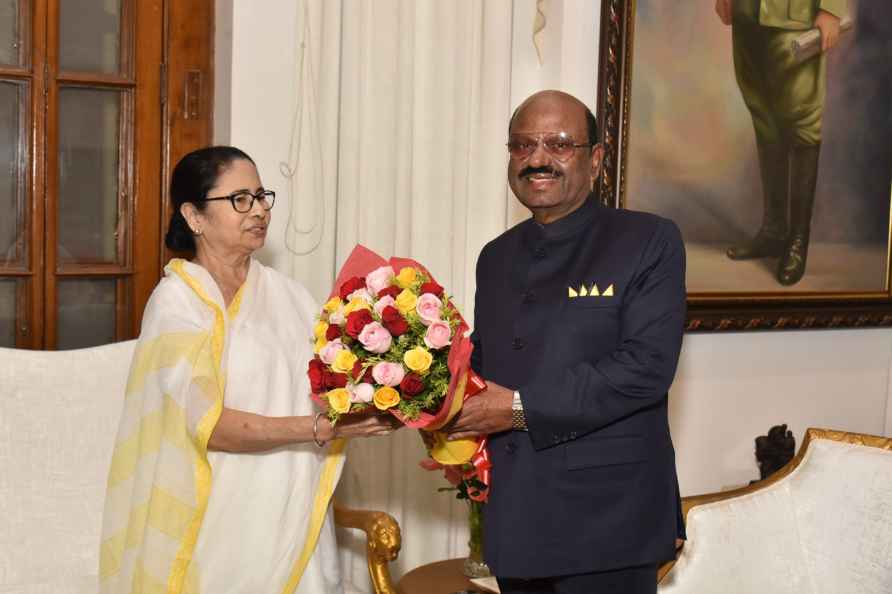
(729, 388)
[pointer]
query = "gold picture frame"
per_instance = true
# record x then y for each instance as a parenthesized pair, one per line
(850, 285)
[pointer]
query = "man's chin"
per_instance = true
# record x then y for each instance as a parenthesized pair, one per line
(539, 201)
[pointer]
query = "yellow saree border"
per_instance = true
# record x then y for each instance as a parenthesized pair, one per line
(320, 506)
(206, 425)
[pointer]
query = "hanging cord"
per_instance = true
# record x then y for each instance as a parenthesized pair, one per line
(289, 168)
(539, 22)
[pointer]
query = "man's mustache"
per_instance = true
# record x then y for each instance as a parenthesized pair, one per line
(534, 170)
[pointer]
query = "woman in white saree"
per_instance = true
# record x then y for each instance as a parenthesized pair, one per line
(222, 474)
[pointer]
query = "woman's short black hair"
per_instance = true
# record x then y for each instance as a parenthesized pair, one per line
(192, 179)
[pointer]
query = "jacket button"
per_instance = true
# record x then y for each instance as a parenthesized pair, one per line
(539, 252)
(517, 344)
(510, 448)
(528, 297)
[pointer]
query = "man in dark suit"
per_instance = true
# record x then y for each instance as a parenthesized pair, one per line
(579, 317)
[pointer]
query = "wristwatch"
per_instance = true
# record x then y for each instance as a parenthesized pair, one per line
(518, 419)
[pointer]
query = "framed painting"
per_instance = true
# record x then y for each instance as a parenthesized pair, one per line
(770, 154)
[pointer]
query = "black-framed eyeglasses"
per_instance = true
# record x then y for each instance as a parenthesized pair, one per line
(560, 146)
(243, 201)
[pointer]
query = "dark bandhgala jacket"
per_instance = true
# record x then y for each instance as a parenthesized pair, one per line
(585, 318)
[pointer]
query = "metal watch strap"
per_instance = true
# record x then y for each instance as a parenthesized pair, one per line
(518, 419)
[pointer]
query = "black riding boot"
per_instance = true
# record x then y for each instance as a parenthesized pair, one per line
(770, 239)
(803, 181)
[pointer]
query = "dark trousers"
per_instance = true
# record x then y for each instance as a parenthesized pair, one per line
(629, 580)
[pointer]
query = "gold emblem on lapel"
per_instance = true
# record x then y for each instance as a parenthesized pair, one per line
(591, 291)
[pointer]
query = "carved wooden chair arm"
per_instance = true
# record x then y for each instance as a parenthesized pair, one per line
(383, 538)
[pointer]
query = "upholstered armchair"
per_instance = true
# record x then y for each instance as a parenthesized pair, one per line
(820, 525)
(58, 418)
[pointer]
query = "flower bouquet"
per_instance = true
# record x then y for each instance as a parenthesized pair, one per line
(390, 338)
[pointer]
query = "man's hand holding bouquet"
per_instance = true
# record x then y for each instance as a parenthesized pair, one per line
(389, 338)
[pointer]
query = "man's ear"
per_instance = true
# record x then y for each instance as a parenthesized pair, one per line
(597, 160)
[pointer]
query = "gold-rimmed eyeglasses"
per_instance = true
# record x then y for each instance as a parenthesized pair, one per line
(560, 146)
(243, 201)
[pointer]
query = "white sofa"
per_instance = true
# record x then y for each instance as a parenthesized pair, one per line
(821, 525)
(58, 419)
(57, 429)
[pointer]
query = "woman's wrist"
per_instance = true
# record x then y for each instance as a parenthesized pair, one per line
(323, 431)
(328, 430)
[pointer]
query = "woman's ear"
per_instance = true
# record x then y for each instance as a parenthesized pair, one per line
(193, 219)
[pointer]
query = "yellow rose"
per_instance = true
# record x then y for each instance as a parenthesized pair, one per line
(339, 400)
(320, 329)
(320, 342)
(418, 359)
(385, 397)
(356, 304)
(406, 277)
(406, 301)
(343, 362)
(333, 304)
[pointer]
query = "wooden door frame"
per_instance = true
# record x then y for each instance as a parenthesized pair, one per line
(188, 104)
(187, 124)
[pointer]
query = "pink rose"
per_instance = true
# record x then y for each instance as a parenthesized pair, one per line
(379, 278)
(388, 374)
(362, 294)
(330, 351)
(337, 318)
(361, 392)
(375, 338)
(438, 335)
(429, 307)
(384, 302)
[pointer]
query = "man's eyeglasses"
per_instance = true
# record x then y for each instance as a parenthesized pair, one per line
(560, 146)
(244, 201)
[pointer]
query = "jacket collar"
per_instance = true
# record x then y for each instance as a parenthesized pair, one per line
(568, 226)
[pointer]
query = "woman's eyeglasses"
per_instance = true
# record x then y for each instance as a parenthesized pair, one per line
(243, 201)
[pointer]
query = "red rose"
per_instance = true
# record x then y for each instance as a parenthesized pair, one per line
(334, 380)
(356, 321)
(412, 385)
(316, 372)
(395, 323)
(433, 288)
(334, 331)
(392, 290)
(351, 285)
(357, 370)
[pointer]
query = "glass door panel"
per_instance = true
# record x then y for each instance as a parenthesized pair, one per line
(13, 139)
(90, 36)
(7, 312)
(89, 176)
(86, 312)
(9, 33)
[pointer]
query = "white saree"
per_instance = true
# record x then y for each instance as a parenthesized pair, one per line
(182, 520)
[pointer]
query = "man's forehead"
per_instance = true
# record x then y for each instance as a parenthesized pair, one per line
(548, 113)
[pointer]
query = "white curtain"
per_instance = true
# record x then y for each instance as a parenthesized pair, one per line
(383, 122)
(419, 97)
